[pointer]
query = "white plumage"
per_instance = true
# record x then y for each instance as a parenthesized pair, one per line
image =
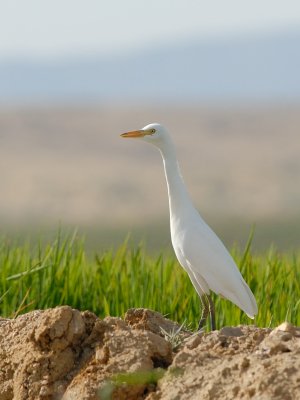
(198, 249)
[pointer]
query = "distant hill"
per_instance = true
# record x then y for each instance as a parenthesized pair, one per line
(241, 68)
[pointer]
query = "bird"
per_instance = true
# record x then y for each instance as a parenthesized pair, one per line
(198, 249)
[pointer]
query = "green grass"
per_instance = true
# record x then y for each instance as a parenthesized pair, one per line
(42, 276)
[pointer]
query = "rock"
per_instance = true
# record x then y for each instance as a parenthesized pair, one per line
(231, 331)
(141, 318)
(284, 327)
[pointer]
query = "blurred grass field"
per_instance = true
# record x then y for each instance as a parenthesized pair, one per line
(38, 276)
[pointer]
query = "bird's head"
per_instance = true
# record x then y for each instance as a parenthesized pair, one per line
(155, 134)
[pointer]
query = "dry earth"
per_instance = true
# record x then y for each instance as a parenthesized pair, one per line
(63, 353)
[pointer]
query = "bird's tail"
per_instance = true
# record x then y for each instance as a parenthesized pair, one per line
(250, 306)
(243, 298)
(254, 310)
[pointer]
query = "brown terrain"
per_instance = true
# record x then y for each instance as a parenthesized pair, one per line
(63, 353)
(69, 165)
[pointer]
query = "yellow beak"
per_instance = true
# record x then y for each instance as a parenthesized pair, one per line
(138, 134)
(134, 134)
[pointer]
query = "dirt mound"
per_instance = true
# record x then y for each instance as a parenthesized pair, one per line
(65, 354)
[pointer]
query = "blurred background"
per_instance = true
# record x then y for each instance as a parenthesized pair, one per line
(223, 77)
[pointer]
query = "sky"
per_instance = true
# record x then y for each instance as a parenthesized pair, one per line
(62, 28)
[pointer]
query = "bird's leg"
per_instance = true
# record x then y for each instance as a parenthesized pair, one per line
(211, 313)
(205, 311)
(207, 308)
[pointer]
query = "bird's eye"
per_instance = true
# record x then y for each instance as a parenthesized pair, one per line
(153, 130)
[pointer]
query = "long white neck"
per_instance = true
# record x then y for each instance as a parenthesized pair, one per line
(179, 200)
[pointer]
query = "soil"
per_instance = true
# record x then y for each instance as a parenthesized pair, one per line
(63, 353)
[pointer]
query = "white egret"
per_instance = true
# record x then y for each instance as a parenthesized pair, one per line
(198, 249)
